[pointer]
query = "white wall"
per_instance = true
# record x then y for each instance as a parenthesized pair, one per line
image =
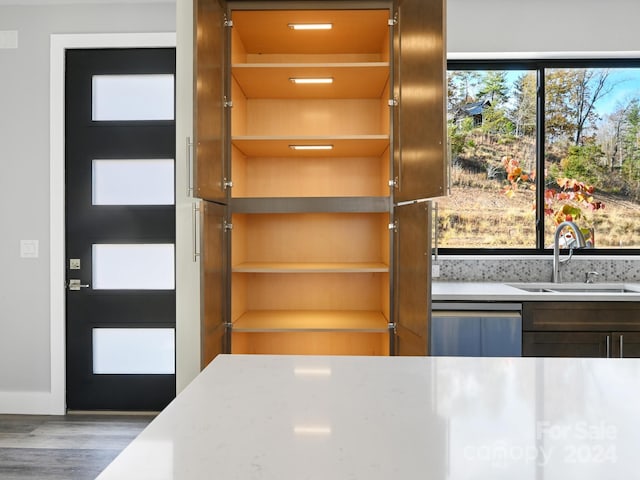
(544, 26)
(25, 358)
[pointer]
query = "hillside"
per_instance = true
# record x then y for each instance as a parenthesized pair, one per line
(479, 214)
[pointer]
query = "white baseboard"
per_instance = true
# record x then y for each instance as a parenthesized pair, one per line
(30, 403)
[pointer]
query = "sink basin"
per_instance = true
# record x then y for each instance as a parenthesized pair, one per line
(531, 289)
(593, 290)
(617, 288)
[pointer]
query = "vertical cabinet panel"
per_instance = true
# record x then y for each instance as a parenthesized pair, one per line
(412, 283)
(213, 282)
(209, 94)
(419, 88)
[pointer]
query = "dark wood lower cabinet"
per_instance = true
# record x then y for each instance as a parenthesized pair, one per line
(625, 345)
(581, 329)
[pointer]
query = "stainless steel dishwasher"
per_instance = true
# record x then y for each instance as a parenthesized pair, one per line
(476, 329)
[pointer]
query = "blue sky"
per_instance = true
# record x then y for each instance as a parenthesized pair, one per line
(626, 82)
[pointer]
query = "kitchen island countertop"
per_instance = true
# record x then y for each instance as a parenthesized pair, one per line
(374, 418)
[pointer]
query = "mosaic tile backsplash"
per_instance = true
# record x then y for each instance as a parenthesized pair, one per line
(536, 269)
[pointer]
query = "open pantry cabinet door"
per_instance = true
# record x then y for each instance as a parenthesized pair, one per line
(419, 70)
(209, 102)
(213, 282)
(412, 278)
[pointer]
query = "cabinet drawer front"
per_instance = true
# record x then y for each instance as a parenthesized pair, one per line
(564, 344)
(581, 316)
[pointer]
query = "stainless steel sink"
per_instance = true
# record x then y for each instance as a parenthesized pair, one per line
(617, 288)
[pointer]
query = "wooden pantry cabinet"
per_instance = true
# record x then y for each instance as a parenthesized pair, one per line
(315, 151)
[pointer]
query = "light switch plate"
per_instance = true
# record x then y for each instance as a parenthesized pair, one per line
(8, 39)
(29, 248)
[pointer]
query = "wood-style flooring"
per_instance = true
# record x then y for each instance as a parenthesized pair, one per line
(70, 447)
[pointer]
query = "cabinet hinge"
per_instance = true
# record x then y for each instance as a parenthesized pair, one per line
(393, 102)
(228, 23)
(227, 103)
(392, 327)
(393, 226)
(393, 183)
(227, 226)
(227, 184)
(392, 21)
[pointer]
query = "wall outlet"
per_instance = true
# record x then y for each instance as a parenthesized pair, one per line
(435, 270)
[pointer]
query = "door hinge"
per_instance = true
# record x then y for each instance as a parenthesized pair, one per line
(227, 226)
(393, 226)
(393, 102)
(226, 184)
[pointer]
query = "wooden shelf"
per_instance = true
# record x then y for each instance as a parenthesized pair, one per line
(310, 267)
(350, 80)
(343, 146)
(354, 31)
(311, 321)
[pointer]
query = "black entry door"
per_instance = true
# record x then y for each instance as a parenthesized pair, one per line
(120, 228)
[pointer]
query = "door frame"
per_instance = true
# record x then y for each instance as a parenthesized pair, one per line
(55, 404)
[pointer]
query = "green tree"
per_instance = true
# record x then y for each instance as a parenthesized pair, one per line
(461, 85)
(524, 107)
(630, 164)
(494, 86)
(495, 120)
(571, 96)
(584, 163)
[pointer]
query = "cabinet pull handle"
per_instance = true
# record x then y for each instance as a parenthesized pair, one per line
(621, 346)
(608, 346)
(194, 223)
(436, 231)
(189, 146)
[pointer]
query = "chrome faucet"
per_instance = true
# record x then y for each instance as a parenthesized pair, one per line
(590, 277)
(579, 242)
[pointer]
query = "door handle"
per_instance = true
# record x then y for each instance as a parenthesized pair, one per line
(75, 284)
(195, 208)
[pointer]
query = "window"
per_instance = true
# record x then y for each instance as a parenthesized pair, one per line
(491, 120)
(537, 143)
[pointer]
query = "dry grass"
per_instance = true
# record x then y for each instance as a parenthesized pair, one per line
(479, 215)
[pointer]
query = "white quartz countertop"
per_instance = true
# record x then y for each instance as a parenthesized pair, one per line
(374, 418)
(517, 292)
